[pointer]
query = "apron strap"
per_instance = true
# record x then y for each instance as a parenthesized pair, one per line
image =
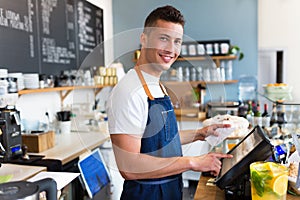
(145, 86)
(163, 88)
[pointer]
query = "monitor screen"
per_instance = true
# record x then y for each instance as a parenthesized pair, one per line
(94, 172)
(253, 147)
(241, 150)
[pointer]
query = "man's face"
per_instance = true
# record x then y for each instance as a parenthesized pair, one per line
(162, 44)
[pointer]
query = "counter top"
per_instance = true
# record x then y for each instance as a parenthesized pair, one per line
(204, 192)
(20, 172)
(71, 145)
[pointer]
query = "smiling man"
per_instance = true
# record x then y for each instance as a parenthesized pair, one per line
(142, 123)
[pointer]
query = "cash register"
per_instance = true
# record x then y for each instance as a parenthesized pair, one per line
(234, 177)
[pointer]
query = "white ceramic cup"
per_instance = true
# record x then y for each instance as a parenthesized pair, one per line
(64, 127)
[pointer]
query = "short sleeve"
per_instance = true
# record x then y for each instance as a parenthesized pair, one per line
(127, 114)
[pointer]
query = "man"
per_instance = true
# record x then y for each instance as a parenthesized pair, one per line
(142, 123)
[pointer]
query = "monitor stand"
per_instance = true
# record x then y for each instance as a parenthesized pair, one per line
(239, 189)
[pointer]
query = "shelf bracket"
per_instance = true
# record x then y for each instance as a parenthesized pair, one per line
(218, 63)
(97, 90)
(63, 96)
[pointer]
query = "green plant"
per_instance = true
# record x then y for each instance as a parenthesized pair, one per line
(235, 50)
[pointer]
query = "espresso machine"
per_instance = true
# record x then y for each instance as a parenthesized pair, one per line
(10, 135)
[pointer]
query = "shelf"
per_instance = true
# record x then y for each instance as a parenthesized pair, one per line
(228, 57)
(284, 99)
(196, 83)
(64, 91)
(217, 59)
(189, 114)
(57, 89)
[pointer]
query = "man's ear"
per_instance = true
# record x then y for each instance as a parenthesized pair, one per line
(143, 39)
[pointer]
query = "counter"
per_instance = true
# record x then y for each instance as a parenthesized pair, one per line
(20, 172)
(204, 192)
(65, 155)
(69, 146)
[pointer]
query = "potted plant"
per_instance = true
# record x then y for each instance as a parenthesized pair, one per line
(235, 50)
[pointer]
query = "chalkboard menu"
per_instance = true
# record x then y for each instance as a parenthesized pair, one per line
(48, 36)
(88, 17)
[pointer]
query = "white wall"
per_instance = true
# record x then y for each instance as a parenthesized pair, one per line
(278, 28)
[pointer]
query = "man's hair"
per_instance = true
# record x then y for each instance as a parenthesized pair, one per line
(167, 13)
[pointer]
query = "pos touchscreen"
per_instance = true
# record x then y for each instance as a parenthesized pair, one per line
(255, 146)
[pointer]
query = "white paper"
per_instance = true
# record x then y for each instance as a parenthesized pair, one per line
(238, 128)
(216, 140)
(61, 178)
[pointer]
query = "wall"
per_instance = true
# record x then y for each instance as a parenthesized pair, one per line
(208, 19)
(278, 23)
(34, 106)
(205, 20)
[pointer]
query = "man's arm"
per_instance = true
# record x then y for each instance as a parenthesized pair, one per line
(135, 165)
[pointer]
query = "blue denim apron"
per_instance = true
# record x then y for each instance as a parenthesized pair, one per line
(160, 139)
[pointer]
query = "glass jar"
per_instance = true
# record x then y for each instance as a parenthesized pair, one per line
(3, 86)
(12, 85)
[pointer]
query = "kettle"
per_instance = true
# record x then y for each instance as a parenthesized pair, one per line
(28, 190)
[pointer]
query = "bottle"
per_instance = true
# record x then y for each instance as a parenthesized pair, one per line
(193, 74)
(281, 116)
(228, 70)
(199, 73)
(257, 120)
(250, 114)
(180, 74)
(242, 110)
(274, 122)
(265, 117)
(186, 75)
(254, 107)
(222, 71)
(273, 119)
(172, 75)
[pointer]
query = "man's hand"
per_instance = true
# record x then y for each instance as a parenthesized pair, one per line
(202, 133)
(209, 162)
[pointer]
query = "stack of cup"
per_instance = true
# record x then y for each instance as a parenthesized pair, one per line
(64, 121)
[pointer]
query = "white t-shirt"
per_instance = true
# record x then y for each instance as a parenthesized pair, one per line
(127, 106)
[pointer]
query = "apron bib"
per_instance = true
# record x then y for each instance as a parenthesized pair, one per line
(160, 139)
